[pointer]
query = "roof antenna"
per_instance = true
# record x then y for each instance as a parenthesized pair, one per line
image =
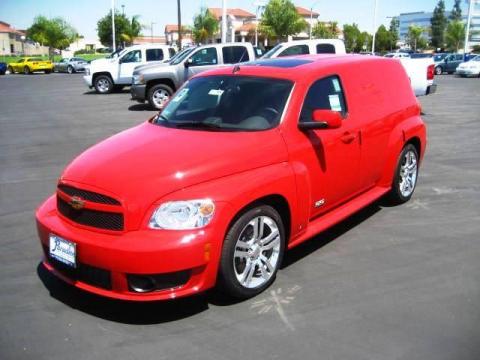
(236, 68)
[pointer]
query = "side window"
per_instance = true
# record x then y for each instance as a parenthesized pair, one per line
(295, 50)
(459, 57)
(207, 56)
(326, 94)
(154, 54)
(171, 52)
(132, 56)
(325, 49)
(234, 54)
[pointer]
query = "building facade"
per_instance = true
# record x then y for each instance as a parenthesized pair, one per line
(14, 42)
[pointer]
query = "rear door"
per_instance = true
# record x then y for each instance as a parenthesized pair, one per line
(325, 49)
(154, 55)
(300, 49)
(235, 54)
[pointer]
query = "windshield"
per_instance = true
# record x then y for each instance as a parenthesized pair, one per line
(272, 51)
(227, 103)
(476, 58)
(181, 56)
(117, 53)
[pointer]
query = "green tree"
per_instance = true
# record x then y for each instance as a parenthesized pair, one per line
(125, 30)
(350, 36)
(382, 39)
(455, 35)
(456, 14)
(393, 30)
(325, 30)
(364, 41)
(438, 25)
(55, 33)
(281, 19)
(415, 37)
(205, 25)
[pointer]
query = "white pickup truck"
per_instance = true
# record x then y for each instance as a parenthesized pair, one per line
(421, 72)
(115, 72)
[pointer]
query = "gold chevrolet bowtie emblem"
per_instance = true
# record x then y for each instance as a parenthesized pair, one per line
(76, 203)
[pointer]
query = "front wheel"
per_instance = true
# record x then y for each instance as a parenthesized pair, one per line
(26, 70)
(10, 70)
(252, 252)
(406, 174)
(70, 69)
(159, 95)
(103, 84)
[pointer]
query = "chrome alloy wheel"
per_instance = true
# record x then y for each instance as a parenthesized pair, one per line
(160, 97)
(257, 252)
(103, 85)
(408, 173)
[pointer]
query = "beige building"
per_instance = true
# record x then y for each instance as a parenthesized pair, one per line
(171, 35)
(14, 42)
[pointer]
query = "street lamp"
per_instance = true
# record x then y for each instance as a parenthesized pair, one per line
(258, 5)
(23, 44)
(374, 26)
(123, 9)
(114, 47)
(151, 31)
(311, 17)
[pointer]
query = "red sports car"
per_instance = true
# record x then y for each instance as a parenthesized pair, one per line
(243, 163)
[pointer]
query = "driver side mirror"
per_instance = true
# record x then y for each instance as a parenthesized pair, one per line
(188, 62)
(323, 119)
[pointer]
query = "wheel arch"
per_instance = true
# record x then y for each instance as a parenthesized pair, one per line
(97, 74)
(165, 81)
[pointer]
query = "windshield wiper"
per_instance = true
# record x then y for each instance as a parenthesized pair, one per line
(197, 124)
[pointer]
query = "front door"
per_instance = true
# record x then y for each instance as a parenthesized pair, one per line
(127, 63)
(202, 60)
(331, 156)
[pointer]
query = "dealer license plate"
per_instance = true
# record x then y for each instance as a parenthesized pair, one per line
(63, 250)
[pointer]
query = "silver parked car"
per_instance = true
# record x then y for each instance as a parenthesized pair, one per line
(70, 65)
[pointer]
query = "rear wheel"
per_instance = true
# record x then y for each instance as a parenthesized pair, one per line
(70, 69)
(158, 95)
(10, 70)
(48, 71)
(26, 70)
(438, 70)
(406, 174)
(103, 84)
(252, 252)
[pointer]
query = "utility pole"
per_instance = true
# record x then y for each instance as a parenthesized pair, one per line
(179, 19)
(151, 31)
(123, 9)
(374, 26)
(113, 26)
(467, 32)
(224, 21)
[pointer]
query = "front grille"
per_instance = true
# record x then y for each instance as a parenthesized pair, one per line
(85, 273)
(98, 219)
(88, 195)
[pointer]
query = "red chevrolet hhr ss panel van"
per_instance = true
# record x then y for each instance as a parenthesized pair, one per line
(243, 163)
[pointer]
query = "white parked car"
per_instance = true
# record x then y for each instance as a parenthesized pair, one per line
(469, 68)
(397, 55)
(305, 47)
(115, 72)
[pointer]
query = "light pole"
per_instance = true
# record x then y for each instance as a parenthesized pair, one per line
(259, 5)
(311, 18)
(179, 20)
(123, 9)
(467, 31)
(151, 31)
(113, 26)
(374, 26)
(224, 21)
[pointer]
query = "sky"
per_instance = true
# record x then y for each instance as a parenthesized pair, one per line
(84, 14)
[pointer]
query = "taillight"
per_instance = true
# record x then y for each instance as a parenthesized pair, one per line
(430, 72)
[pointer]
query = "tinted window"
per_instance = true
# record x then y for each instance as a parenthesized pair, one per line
(459, 57)
(234, 54)
(295, 50)
(171, 52)
(132, 56)
(154, 54)
(326, 94)
(325, 49)
(227, 103)
(207, 56)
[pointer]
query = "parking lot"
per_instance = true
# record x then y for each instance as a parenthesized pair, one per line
(389, 283)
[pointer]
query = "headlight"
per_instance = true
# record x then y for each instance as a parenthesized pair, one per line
(183, 215)
(138, 79)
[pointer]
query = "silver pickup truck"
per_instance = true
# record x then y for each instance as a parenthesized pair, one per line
(157, 82)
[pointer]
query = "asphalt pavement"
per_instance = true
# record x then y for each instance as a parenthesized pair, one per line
(389, 283)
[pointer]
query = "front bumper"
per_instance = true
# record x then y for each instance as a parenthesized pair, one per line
(138, 92)
(467, 72)
(133, 253)
(88, 80)
(431, 89)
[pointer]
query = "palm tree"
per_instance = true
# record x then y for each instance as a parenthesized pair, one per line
(455, 35)
(204, 26)
(132, 31)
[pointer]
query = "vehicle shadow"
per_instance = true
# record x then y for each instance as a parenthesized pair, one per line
(158, 312)
(140, 107)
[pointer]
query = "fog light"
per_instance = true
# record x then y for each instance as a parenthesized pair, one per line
(141, 283)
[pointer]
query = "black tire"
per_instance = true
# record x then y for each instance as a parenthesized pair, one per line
(118, 88)
(48, 71)
(70, 69)
(26, 70)
(10, 70)
(152, 92)
(450, 72)
(227, 279)
(395, 196)
(438, 70)
(103, 84)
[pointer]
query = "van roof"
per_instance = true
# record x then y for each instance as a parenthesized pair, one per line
(297, 68)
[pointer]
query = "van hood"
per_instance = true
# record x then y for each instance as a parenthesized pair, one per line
(141, 165)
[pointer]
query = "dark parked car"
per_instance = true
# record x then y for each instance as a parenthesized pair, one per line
(448, 64)
(3, 68)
